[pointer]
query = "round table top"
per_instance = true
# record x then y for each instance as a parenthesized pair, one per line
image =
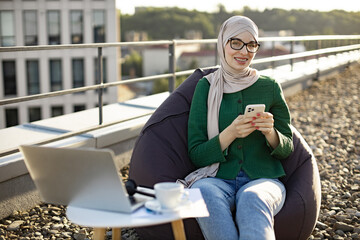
(140, 217)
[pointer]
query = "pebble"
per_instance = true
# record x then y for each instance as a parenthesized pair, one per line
(326, 114)
(15, 225)
(56, 218)
(343, 227)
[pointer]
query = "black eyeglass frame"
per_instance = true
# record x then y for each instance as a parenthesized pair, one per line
(244, 44)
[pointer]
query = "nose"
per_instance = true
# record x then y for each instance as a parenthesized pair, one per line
(243, 50)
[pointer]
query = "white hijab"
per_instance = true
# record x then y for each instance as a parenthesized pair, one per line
(224, 80)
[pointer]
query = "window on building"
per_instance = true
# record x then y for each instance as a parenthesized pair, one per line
(99, 26)
(78, 73)
(30, 27)
(9, 77)
(76, 24)
(57, 111)
(53, 27)
(11, 117)
(7, 28)
(32, 76)
(34, 114)
(96, 67)
(78, 108)
(55, 75)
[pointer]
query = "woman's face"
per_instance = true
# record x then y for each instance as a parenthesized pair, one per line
(239, 59)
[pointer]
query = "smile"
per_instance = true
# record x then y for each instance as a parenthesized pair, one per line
(242, 60)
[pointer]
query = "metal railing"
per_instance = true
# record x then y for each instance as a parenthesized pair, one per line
(343, 43)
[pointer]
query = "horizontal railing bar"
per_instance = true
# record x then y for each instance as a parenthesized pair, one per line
(306, 54)
(80, 89)
(309, 38)
(195, 41)
(182, 73)
(82, 45)
(168, 42)
(189, 72)
(49, 94)
(74, 133)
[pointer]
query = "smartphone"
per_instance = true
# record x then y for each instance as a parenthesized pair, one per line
(253, 109)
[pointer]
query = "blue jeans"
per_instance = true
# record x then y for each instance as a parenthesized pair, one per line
(241, 208)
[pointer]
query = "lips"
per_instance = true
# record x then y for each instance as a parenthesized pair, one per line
(240, 59)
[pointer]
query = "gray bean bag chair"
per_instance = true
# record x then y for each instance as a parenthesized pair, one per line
(160, 154)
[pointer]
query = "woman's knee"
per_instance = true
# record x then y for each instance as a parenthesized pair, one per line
(248, 198)
(266, 196)
(206, 188)
(216, 191)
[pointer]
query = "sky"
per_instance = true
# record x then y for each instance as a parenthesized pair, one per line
(128, 6)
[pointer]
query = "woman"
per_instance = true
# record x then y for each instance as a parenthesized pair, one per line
(238, 157)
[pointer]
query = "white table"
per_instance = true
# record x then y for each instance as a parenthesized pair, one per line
(100, 220)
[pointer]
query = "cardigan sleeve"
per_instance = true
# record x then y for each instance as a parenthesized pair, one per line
(282, 121)
(202, 151)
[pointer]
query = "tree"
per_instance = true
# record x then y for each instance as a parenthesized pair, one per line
(132, 64)
(162, 85)
(170, 23)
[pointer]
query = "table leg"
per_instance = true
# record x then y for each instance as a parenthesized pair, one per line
(178, 230)
(116, 234)
(99, 234)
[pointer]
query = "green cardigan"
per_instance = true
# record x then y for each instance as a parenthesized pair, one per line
(252, 154)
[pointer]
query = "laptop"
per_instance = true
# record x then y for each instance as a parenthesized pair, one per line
(87, 178)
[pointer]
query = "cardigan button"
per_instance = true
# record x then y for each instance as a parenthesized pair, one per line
(239, 147)
(239, 101)
(241, 161)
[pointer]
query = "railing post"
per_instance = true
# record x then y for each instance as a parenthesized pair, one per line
(100, 81)
(318, 46)
(291, 52)
(272, 53)
(172, 64)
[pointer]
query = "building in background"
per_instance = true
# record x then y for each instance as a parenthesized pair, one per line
(199, 59)
(53, 22)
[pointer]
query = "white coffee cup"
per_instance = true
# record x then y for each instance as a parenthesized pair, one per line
(170, 194)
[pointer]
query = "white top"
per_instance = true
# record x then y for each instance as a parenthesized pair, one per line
(139, 218)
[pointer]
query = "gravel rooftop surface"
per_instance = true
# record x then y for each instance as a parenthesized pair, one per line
(328, 117)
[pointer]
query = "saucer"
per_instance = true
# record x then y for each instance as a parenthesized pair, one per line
(154, 205)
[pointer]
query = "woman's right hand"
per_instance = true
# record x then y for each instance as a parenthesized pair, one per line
(241, 127)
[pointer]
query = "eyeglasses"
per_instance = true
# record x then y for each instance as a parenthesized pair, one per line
(238, 44)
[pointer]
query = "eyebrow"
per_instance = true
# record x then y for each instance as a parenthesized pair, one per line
(235, 38)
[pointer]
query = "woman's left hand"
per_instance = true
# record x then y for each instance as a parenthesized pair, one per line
(264, 122)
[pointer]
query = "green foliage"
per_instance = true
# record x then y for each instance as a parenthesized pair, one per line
(133, 62)
(170, 23)
(162, 85)
(167, 23)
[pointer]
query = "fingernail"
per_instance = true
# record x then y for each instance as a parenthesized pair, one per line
(253, 124)
(254, 118)
(258, 114)
(257, 127)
